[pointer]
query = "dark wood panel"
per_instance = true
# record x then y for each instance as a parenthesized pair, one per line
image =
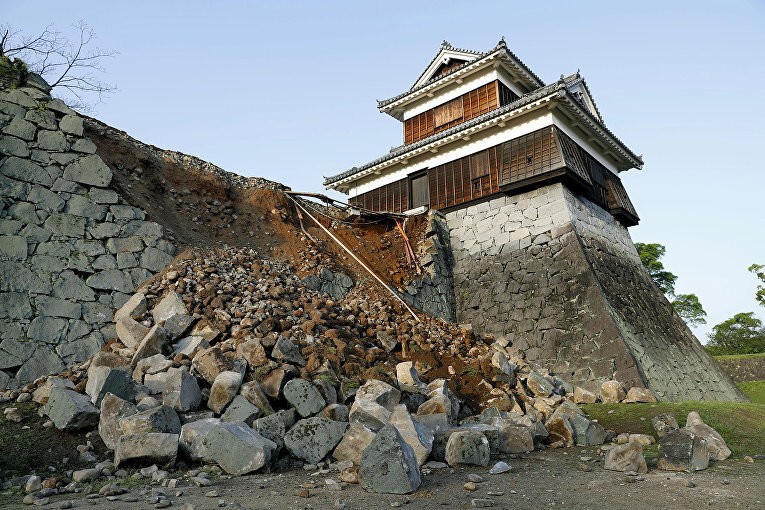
(393, 197)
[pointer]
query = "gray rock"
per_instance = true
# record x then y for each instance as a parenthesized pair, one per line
(110, 279)
(193, 440)
(223, 390)
(272, 427)
(311, 439)
(626, 457)
(54, 307)
(152, 373)
(170, 305)
(467, 447)
(336, 412)
(515, 438)
(13, 247)
(103, 380)
(355, 440)
(45, 199)
(539, 384)
(70, 286)
(664, 423)
(21, 128)
(86, 475)
(71, 124)
(146, 449)
(90, 170)
(182, 391)
(81, 206)
(84, 145)
(379, 392)
(157, 419)
(177, 325)
(53, 141)
(133, 307)
(304, 397)
(369, 413)
(130, 332)
(718, 449)
(70, 410)
(389, 465)
(66, 225)
(408, 379)
(153, 343)
(12, 146)
(255, 395)
(15, 305)
(43, 362)
(113, 409)
(418, 437)
(285, 350)
(190, 345)
(240, 410)
(238, 449)
(155, 260)
(681, 450)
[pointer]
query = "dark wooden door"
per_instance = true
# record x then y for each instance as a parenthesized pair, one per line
(420, 195)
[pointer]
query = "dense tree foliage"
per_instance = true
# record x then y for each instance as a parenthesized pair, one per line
(741, 334)
(687, 306)
(759, 271)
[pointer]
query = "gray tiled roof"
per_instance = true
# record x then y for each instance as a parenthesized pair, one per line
(559, 86)
(501, 46)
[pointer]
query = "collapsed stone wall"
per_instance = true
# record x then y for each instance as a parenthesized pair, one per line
(560, 278)
(433, 293)
(71, 248)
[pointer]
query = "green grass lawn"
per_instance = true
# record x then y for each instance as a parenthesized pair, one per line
(741, 425)
(755, 390)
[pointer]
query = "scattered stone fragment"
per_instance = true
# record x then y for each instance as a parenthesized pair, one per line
(718, 450)
(499, 468)
(389, 465)
(467, 447)
(626, 457)
(681, 450)
(237, 448)
(311, 439)
(304, 397)
(149, 448)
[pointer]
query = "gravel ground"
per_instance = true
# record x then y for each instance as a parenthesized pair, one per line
(547, 479)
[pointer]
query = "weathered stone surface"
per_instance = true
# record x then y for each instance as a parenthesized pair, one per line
(113, 409)
(467, 447)
(130, 332)
(418, 437)
(133, 307)
(155, 260)
(389, 465)
(90, 170)
(272, 427)
(681, 450)
(190, 345)
(178, 325)
(612, 392)
(13, 247)
(408, 379)
(153, 343)
(664, 423)
(20, 128)
(539, 384)
(559, 429)
(210, 363)
(718, 449)
(304, 397)
(157, 419)
(42, 393)
(626, 457)
(15, 305)
(582, 396)
(379, 392)
(103, 380)
(638, 394)
(145, 449)
(70, 410)
(354, 442)
(255, 395)
(311, 439)
(336, 412)
(170, 305)
(285, 350)
(224, 388)
(181, 391)
(252, 350)
(515, 438)
(71, 124)
(437, 404)
(110, 279)
(238, 449)
(53, 141)
(240, 410)
(369, 413)
(193, 439)
(42, 362)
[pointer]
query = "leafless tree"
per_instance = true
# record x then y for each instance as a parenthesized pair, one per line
(67, 65)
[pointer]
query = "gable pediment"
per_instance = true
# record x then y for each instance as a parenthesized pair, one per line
(446, 59)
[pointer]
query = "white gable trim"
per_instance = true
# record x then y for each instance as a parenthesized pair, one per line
(444, 56)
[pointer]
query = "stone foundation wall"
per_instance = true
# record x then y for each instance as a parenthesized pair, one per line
(434, 291)
(750, 368)
(71, 249)
(560, 278)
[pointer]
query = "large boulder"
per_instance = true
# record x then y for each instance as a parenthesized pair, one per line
(560, 431)
(718, 449)
(515, 438)
(211, 362)
(637, 394)
(237, 448)
(153, 343)
(240, 409)
(272, 427)
(354, 442)
(418, 437)
(113, 409)
(369, 413)
(389, 465)
(157, 419)
(193, 439)
(408, 379)
(612, 392)
(467, 447)
(103, 380)
(379, 392)
(311, 439)
(129, 331)
(146, 449)
(255, 395)
(285, 350)
(583, 396)
(664, 423)
(681, 450)
(69, 410)
(626, 457)
(539, 385)
(224, 389)
(181, 391)
(170, 305)
(304, 397)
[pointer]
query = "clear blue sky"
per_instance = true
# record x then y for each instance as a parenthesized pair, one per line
(287, 90)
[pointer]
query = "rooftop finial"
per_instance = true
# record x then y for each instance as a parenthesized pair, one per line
(445, 44)
(501, 43)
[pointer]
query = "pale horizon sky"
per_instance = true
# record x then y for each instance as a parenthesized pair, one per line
(287, 90)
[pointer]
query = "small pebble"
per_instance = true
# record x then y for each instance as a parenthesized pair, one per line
(472, 477)
(470, 486)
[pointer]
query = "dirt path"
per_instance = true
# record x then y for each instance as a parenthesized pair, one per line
(550, 479)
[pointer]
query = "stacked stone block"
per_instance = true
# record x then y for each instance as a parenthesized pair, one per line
(559, 277)
(71, 249)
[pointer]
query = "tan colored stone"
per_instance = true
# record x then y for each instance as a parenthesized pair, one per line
(637, 394)
(612, 392)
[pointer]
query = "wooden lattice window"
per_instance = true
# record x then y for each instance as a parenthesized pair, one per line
(448, 112)
(479, 164)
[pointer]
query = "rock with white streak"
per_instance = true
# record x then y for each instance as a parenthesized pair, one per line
(718, 449)
(224, 389)
(467, 447)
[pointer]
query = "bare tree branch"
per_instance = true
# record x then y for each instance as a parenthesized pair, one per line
(65, 65)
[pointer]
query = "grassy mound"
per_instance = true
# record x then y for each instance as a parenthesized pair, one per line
(755, 390)
(741, 425)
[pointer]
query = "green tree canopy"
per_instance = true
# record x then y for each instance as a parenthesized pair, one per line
(650, 255)
(741, 334)
(759, 271)
(689, 308)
